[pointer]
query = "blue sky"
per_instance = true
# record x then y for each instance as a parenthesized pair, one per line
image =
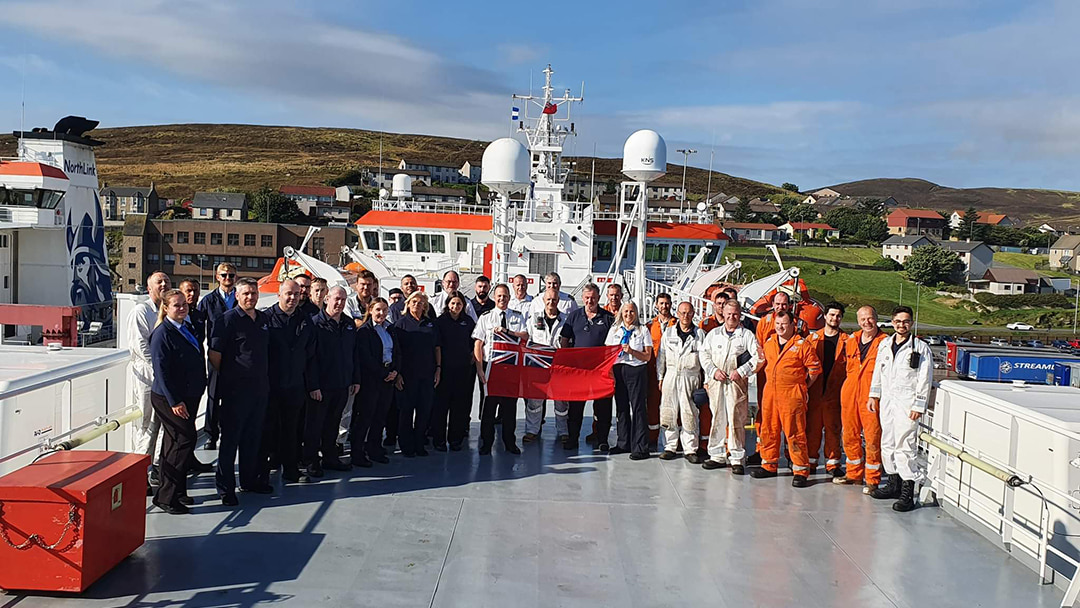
(963, 93)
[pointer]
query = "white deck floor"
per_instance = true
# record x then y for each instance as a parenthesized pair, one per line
(550, 528)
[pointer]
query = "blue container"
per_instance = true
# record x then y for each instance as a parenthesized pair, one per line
(1007, 367)
(1067, 374)
(963, 354)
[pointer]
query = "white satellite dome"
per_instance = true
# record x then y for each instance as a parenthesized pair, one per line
(505, 166)
(644, 156)
(383, 193)
(402, 186)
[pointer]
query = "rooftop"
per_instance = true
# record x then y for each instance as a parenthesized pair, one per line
(127, 192)
(308, 191)
(1002, 274)
(809, 226)
(417, 219)
(910, 239)
(928, 214)
(219, 200)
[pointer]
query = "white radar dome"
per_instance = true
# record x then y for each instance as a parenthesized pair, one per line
(402, 186)
(644, 156)
(505, 166)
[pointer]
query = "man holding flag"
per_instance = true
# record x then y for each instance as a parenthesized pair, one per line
(501, 322)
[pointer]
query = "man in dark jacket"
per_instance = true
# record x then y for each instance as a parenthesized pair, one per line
(239, 348)
(211, 308)
(292, 354)
(337, 376)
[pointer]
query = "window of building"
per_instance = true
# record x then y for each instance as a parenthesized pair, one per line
(185, 259)
(371, 240)
(268, 263)
(389, 241)
(656, 252)
(131, 249)
(131, 264)
(167, 237)
(153, 258)
(181, 236)
(170, 259)
(217, 259)
(317, 246)
(603, 250)
(200, 238)
(215, 238)
(249, 240)
(405, 241)
(234, 240)
(252, 262)
(267, 240)
(236, 260)
(131, 281)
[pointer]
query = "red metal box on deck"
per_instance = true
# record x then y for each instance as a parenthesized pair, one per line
(87, 510)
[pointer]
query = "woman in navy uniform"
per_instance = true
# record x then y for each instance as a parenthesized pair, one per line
(379, 354)
(179, 382)
(337, 377)
(453, 397)
(421, 362)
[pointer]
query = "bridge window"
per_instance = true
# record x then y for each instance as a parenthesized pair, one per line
(438, 243)
(371, 240)
(405, 242)
(423, 243)
(656, 252)
(603, 250)
(389, 241)
(678, 254)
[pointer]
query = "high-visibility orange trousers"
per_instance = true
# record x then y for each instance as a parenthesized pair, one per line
(823, 416)
(859, 421)
(783, 412)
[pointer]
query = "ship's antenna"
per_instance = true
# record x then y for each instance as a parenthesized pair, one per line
(712, 151)
(22, 119)
(592, 175)
(381, 176)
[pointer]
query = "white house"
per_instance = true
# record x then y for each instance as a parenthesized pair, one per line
(977, 256)
(470, 171)
(1064, 252)
(750, 232)
(809, 231)
(898, 247)
(219, 206)
(440, 171)
(989, 219)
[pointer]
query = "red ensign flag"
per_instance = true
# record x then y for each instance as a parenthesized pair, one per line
(532, 371)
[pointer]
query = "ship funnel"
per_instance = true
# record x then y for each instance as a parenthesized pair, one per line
(644, 156)
(402, 186)
(505, 166)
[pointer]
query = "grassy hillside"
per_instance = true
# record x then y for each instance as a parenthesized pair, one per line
(183, 159)
(1030, 205)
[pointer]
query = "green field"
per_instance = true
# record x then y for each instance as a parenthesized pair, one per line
(1028, 261)
(848, 255)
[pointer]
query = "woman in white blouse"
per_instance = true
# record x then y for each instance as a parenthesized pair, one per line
(631, 383)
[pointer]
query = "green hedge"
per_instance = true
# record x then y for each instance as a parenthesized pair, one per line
(1027, 300)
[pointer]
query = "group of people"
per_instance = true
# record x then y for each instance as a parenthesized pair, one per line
(288, 386)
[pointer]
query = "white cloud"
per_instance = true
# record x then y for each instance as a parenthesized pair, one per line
(275, 48)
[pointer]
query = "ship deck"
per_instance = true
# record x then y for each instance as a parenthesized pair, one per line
(551, 528)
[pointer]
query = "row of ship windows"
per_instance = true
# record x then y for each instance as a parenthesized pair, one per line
(657, 253)
(410, 242)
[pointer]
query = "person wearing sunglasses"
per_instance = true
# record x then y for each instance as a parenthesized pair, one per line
(211, 308)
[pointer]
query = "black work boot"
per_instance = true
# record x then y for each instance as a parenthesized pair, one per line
(888, 489)
(907, 497)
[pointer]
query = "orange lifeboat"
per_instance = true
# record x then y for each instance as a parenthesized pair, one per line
(283, 269)
(807, 309)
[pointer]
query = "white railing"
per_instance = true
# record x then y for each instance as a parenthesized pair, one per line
(666, 216)
(430, 207)
(653, 288)
(942, 483)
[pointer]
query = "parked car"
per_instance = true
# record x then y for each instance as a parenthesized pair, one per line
(999, 342)
(1020, 327)
(1061, 345)
(935, 340)
(962, 340)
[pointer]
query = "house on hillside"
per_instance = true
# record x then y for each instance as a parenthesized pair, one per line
(385, 178)
(428, 194)
(1065, 251)
(219, 206)
(908, 222)
(724, 206)
(584, 187)
(1012, 281)
(117, 202)
(470, 172)
(751, 232)
(989, 219)
(317, 201)
(763, 205)
(825, 192)
(977, 256)
(440, 171)
(809, 231)
(665, 188)
(825, 204)
(348, 193)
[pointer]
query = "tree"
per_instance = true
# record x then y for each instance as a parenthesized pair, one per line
(872, 206)
(175, 212)
(946, 230)
(931, 264)
(742, 212)
(790, 187)
(970, 228)
(872, 230)
(352, 177)
(269, 205)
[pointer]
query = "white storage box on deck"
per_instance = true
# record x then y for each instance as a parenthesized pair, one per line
(46, 392)
(1034, 429)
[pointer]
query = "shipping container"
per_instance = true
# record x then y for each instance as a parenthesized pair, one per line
(1067, 374)
(957, 354)
(1008, 367)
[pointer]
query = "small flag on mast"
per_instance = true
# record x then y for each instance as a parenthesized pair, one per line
(514, 113)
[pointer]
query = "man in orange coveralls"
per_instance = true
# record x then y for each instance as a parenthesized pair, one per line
(791, 365)
(823, 409)
(858, 419)
(766, 329)
(660, 322)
